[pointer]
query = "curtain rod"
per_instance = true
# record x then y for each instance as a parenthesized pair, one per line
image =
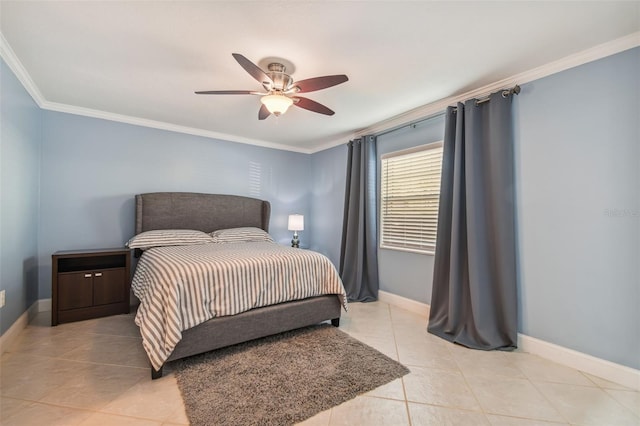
(411, 123)
(505, 92)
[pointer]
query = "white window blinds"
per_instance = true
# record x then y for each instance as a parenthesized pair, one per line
(410, 191)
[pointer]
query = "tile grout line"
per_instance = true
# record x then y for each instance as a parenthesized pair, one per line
(395, 343)
(622, 406)
(466, 382)
(80, 361)
(533, 383)
(86, 410)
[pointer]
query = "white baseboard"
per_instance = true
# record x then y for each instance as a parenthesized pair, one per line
(404, 303)
(44, 305)
(9, 336)
(599, 367)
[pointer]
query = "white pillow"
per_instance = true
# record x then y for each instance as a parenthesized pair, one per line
(240, 235)
(168, 237)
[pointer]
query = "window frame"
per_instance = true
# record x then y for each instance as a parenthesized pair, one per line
(428, 249)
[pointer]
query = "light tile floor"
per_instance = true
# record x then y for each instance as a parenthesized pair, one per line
(95, 373)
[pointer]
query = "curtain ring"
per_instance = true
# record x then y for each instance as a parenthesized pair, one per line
(515, 90)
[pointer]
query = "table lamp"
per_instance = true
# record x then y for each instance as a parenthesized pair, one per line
(296, 223)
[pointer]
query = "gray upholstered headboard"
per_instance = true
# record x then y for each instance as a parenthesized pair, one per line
(204, 212)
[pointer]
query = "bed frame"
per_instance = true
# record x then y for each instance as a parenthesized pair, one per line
(208, 213)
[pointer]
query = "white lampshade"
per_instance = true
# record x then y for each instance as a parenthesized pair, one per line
(296, 222)
(276, 104)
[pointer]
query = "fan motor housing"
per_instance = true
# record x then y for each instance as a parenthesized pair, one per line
(281, 80)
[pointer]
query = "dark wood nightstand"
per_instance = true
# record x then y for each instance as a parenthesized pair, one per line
(89, 284)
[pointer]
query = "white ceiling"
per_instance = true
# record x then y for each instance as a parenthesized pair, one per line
(144, 59)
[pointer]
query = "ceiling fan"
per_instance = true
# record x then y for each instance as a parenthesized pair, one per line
(281, 90)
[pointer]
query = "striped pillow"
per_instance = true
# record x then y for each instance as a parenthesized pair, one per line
(240, 235)
(168, 237)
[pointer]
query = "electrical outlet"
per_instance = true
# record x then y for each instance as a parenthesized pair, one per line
(1, 298)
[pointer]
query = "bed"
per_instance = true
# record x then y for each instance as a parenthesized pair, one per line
(209, 213)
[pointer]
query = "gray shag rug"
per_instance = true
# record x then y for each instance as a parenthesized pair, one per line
(281, 379)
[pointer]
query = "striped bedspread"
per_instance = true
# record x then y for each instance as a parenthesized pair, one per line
(182, 286)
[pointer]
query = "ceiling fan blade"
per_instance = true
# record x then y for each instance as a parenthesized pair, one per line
(228, 92)
(312, 105)
(318, 83)
(263, 113)
(253, 70)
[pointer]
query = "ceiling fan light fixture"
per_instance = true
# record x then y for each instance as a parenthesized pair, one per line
(277, 104)
(280, 87)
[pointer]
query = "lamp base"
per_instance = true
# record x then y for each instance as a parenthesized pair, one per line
(295, 242)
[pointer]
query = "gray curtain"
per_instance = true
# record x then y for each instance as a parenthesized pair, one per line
(359, 251)
(474, 298)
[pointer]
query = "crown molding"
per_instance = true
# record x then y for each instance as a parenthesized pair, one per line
(333, 143)
(9, 56)
(588, 55)
(161, 125)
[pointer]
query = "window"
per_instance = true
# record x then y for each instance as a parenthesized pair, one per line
(410, 191)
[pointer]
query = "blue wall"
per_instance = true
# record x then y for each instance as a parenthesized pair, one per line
(578, 188)
(329, 169)
(92, 168)
(19, 197)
